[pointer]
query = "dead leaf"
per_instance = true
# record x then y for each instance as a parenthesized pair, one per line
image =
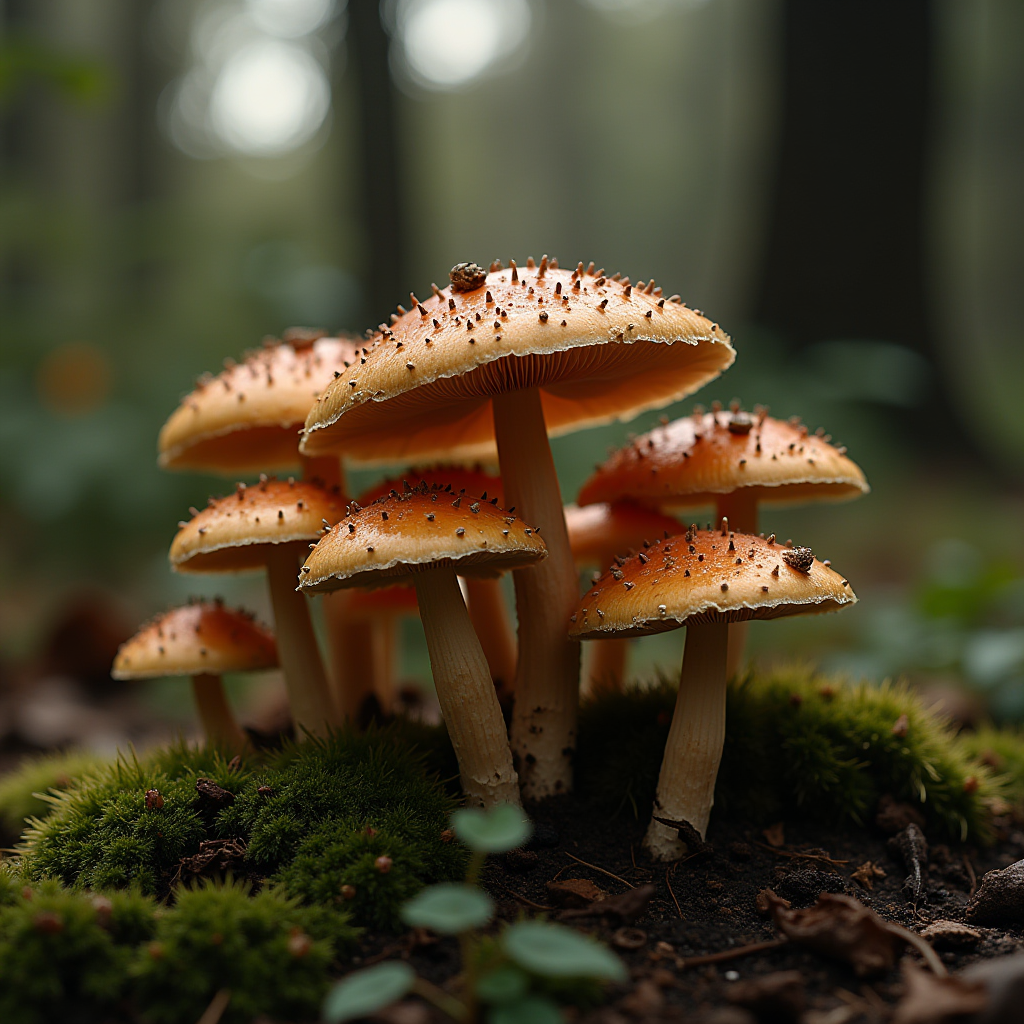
(867, 874)
(842, 928)
(775, 835)
(932, 1000)
(575, 892)
(776, 997)
(622, 909)
(766, 899)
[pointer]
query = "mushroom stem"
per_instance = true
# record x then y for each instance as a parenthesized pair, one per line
(465, 691)
(740, 508)
(489, 615)
(352, 656)
(686, 785)
(384, 641)
(548, 668)
(328, 469)
(304, 677)
(215, 715)
(606, 667)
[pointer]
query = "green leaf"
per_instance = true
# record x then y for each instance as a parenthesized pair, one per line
(554, 951)
(497, 830)
(448, 909)
(531, 1010)
(504, 985)
(368, 991)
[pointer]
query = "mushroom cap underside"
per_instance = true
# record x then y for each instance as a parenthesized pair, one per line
(470, 479)
(691, 461)
(428, 526)
(597, 533)
(707, 576)
(233, 533)
(203, 637)
(597, 348)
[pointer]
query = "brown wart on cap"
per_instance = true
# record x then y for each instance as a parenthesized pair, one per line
(484, 598)
(426, 539)
(202, 640)
(268, 526)
(703, 581)
(599, 358)
(597, 535)
(466, 277)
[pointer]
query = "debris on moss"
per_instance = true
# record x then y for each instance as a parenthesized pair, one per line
(352, 821)
(797, 742)
(22, 792)
(272, 955)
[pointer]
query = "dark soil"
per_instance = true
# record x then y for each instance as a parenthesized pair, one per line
(705, 904)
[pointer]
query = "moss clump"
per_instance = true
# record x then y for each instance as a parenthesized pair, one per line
(105, 833)
(1002, 750)
(352, 820)
(273, 955)
(22, 792)
(796, 743)
(64, 955)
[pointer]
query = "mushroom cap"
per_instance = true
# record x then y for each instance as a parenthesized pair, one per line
(401, 534)
(247, 418)
(707, 576)
(232, 533)
(598, 349)
(687, 462)
(200, 637)
(471, 480)
(597, 533)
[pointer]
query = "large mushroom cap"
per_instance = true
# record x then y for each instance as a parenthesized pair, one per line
(707, 576)
(232, 533)
(401, 534)
(247, 418)
(596, 530)
(598, 348)
(692, 460)
(472, 480)
(199, 638)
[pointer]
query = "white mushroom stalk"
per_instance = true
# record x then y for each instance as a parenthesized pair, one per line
(215, 714)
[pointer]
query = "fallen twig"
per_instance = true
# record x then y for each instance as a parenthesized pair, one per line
(523, 899)
(594, 867)
(730, 954)
(969, 867)
(672, 894)
(824, 858)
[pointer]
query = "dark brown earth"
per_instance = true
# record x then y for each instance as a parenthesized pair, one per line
(707, 904)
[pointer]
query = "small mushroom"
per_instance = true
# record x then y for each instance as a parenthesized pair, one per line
(734, 461)
(694, 579)
(427, 539)
(597, 535)
(202, 640)
(243, 532)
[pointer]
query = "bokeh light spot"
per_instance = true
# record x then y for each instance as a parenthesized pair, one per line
(74, 379)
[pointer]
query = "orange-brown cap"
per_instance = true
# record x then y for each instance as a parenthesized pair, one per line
(232, 533)
(707, 576)
(401, 534)
(204, 637)
(247, 418)
(688, 462)
(468, 480)
(597, 533)
(597, 347)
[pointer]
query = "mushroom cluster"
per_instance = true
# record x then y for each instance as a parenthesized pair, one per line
(487, 368)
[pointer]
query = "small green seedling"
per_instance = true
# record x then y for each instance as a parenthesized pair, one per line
(503, 980)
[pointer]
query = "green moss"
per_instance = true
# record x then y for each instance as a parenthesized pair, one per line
(273, 955)
(1002, 750)
(797, 744)
(318, 816)
(66, 955)
(22, 792)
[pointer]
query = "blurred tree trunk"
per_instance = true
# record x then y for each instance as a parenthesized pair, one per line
(381, 194)
(847, 250)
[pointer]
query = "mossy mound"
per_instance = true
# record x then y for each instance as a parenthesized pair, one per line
(797, 744)
(1001, 750)
(353, 820)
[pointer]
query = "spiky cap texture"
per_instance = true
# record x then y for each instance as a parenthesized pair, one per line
(597, 347)
(246, 418)
(197, 638)
(403, 533)
(232, 533)
(597, 533)
(471, 479)
(707, 576)
(688, 462)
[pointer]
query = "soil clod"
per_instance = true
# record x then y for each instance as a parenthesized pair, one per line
(1000, 897)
